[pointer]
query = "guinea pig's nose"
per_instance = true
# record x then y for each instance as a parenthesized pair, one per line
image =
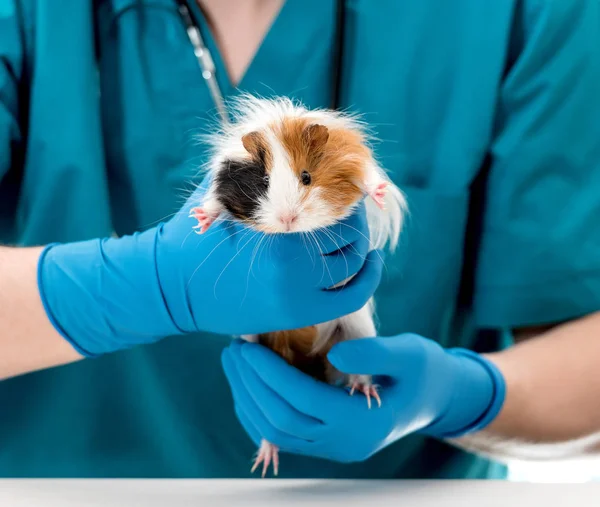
(288, 219)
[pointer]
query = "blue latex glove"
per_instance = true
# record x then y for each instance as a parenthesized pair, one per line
(425, 388)
(108, 294)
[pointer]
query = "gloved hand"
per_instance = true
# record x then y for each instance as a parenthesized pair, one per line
(425, 388)
(108, 294)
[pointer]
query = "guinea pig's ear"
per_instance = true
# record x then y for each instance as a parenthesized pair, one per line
(315, 136)
(254, 144)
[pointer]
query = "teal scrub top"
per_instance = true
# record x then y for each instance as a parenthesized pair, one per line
(488, 117)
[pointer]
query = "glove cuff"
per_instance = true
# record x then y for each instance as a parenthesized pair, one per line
(103, 295)
(496, 397)
(46, 304)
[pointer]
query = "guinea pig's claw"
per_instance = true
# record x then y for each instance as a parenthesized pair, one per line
(204, 220)
(368, 390)
(266, 453)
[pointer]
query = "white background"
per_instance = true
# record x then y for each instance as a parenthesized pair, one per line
(266, 493)
(564, 471)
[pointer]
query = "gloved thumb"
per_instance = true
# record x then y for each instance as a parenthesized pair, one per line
(377, 356)
(365, 356)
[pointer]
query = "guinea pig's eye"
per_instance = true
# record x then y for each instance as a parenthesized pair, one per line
(266, 179)
(305, 177)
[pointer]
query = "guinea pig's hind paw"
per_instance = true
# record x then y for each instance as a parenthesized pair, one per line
(378, 192)
(204, 220)
(267, 453)
(367, 389)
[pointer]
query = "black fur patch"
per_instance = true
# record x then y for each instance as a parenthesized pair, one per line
(239, 185)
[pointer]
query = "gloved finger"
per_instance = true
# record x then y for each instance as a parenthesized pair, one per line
(359, 246)
(378, 356)
(344, 232)
(278, 412)
(307, 450)
(354, 295)
(253, 413)
(305, 394)
(344, 263)
(249, 428)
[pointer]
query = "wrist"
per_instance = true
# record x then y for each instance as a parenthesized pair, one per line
(477, 396)
(103, 295)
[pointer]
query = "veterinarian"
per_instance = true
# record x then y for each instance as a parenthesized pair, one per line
(489, 119)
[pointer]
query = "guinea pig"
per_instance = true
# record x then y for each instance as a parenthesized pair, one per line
(281, 168)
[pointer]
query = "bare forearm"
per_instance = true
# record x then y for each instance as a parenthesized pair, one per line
(28, 341)
(553, 387)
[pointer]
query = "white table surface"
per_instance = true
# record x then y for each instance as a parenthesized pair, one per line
(266, 493)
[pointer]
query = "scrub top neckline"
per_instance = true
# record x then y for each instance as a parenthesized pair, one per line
(280, 29)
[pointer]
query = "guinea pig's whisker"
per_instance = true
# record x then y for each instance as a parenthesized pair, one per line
(253, 199)
(355, 229)
(349, 246)
(254, 255)
(305, 244)
(260, 247)
(215, 230)
(247, 233)
(329, 234)
(252, 259)
(320, 247)
(231, 260)
(268, 246)
(369, 239)
(315, 246)
(212, 231)
(166, 217)
(314, 250)
(186, 237)
(210, 253)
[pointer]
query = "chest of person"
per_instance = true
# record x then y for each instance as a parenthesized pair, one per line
(425, 81)
(132, 105)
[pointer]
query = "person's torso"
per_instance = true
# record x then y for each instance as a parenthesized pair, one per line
(115, 103)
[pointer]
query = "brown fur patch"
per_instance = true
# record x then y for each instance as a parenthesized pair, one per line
(257, 146)
(335, 159)
(295, 347)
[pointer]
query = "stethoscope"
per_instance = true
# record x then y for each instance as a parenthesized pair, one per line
(207, 64)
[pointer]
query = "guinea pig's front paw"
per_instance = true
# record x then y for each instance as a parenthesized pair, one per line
(377, 192)
(205, 220)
